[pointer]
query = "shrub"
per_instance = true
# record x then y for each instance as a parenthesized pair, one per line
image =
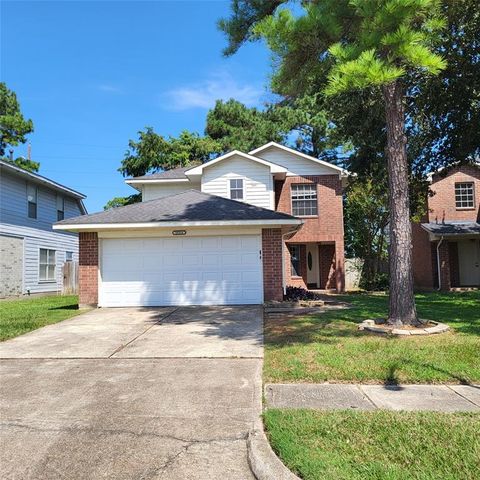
(295, 294)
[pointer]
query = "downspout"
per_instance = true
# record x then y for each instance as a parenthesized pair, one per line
(438, 264)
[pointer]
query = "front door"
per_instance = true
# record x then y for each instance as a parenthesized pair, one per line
(312, 266)
(469, 263)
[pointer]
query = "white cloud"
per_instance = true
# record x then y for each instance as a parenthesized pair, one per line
(221, 86)
(105, 87)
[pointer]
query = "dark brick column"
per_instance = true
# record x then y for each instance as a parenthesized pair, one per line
(88, 269)
(272, 264)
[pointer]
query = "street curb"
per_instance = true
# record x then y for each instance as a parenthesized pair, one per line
(264, 463)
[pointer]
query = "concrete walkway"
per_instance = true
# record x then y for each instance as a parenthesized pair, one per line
(439, 398)
(133, 394)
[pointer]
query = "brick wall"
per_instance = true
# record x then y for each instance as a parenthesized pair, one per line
(11, 266)
(325, 229)
(88, 268)
(327, 266)
(442, 203)
(423, 270)
(272, 263)
(444, 253)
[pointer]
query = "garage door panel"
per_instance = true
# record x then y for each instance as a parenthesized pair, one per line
(186, 271)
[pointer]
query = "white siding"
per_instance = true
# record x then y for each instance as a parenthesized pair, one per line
(35, 239)
(295, 164)
(258, 182)
(159, 190)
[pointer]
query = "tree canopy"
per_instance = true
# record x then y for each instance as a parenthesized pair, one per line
(13, 125)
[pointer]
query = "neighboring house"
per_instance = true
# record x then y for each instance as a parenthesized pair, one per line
(31, 253)
(235, 230)
(446, 245)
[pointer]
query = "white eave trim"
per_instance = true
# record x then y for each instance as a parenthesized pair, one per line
(129, 226)
(133, 181)
(339, 170)
(274, 168)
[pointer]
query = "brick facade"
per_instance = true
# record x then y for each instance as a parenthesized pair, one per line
(11, 266)
(325, 230)
(272, 264)
(441, 208)
(88, 268)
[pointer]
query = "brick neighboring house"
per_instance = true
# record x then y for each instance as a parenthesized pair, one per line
(446, 244)
(235, 230)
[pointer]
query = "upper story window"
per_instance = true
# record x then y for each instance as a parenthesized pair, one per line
(304, 200)
(60, 207)
(236, 189)
(464, 195)
(47, 265)
(32, 194)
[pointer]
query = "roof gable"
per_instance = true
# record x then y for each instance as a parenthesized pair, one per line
(272, 146)
(274, 168)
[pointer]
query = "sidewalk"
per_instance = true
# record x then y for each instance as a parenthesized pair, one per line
(439, 398)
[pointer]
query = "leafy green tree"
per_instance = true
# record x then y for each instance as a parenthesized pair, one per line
(444, 110)
(26, 164)
(366, 220)
(236, 127)
(152, 152)
(13, 126)
(122, 201)
(354, 45)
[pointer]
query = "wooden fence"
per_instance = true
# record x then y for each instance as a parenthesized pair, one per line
(70, 278)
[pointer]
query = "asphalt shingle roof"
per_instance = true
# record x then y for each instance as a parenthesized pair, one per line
(174, 174)
(453, 228)
(188, 206)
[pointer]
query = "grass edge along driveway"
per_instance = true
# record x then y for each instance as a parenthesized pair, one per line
(328, 346)
(22, 315)
(355, 445)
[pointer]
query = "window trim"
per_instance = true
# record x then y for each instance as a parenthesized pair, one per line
(315, 185)
(60, 212)
(47, 280)
(298, 271)
(32, 185)
(242, 179)
(472, 183)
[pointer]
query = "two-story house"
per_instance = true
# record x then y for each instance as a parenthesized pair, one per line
(31, 253)
(446, 244)
(235, 230)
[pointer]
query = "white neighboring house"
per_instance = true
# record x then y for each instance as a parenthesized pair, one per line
(31, 253)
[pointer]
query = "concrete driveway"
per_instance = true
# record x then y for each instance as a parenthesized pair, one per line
(158, 393)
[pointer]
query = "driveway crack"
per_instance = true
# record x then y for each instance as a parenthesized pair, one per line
(121, 347)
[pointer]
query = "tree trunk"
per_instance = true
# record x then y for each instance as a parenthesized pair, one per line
(402, 301)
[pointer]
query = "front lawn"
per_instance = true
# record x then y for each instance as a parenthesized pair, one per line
(380, 445)
(23, 315)
(328, 346)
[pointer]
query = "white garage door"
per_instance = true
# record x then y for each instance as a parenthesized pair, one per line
(181, 271)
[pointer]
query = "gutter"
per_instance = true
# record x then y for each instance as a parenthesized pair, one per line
(438, 264)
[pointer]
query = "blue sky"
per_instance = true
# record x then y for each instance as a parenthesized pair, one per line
(91, 74)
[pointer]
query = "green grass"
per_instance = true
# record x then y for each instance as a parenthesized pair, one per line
(23, 315)
(380, 445)
(329, 347)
